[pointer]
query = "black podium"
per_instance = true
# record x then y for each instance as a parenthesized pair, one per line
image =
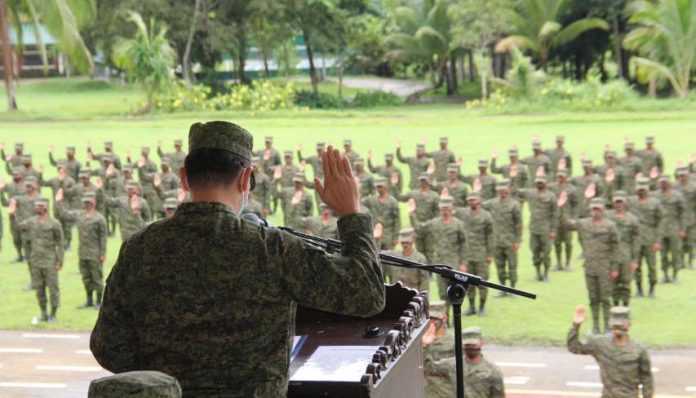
(347, 357)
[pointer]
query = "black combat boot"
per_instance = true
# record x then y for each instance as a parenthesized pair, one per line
(540, 278)
(52, 317)
(89, 303)
(595, 318)
(472, 308)
(651, 293)
(44, 314)
(97, 305)
(501, 294)
(639, 289)
(482, 307)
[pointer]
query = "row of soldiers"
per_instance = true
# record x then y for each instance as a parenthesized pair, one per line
(93, 200)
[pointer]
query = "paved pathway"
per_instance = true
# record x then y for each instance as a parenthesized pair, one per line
(48, 364)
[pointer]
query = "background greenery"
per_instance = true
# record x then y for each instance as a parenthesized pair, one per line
(73, 112)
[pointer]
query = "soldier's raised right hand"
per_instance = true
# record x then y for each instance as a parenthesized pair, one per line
(59, 195)
(411, 205)
(338, 190)
(579, 317)
(12, 208)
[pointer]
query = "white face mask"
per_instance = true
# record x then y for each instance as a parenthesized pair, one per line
(245, 203)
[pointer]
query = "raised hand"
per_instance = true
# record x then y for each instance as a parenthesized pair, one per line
(562, 199)
(61, 174)
(444, 193)
(59, 195)
(12, 208)
(266, 154)
(431, 168)
(338, 190)
(2, 184)
(378, 231)
(50, 149)
(411, 206)
(562, 164)
(110, 170)
(398, 144)
(610, 175)
(135, 203)
(540, 172)
(654, 172)
(514, 170)
(303, 165)
(494, 155)
(157, 180)
(460, 161)
(299, 147)
(159, 143)
(297, 198)
(99, 183)
(477, 185)
(394, 178)
(579, 317)
(141, 162)
(590, 191)
(369, 154)
(277, 172)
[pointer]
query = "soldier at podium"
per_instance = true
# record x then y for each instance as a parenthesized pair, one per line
(210, 299)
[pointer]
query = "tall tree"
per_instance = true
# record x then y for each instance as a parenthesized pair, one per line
(537, 26)
(665, 36)
(61, 18)
(148, 58)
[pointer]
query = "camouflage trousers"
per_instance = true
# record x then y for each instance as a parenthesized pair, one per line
(16, 236)
(689, 245)
(385, 243)
(650, 257)
(479, 268)
(671, 254)
(622, 284)
(599, 290)
(42, 278)
(564, 237)
(506, 264)
(92, 275)
(67, 231)
(541, 247)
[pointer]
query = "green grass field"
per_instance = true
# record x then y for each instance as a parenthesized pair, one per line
(76, 112)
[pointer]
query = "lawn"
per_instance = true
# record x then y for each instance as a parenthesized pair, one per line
(76, 112)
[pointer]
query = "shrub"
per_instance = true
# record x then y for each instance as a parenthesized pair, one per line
(182, 98)
(375, 98)
(306, 98)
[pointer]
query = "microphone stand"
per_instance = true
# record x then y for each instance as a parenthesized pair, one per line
(459, 283)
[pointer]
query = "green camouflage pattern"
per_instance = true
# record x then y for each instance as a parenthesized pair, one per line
(441, 159)
(416, 166)
(427, 203)
(142, 384)
(386, 213)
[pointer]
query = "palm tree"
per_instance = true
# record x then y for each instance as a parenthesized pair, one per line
(665, 34)
(539, 30)
(61, 18)
(148, 58)
(425, 35)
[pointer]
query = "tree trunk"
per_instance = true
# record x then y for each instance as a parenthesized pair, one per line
(241, 54)
(652, 86)
(7, 58)
(340, 77)
(617, 47)
(186, 59)
(310, 57)
(472, 67)
(452, 80)
(266, 72)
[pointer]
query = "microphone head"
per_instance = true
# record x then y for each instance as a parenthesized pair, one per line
(252, 217)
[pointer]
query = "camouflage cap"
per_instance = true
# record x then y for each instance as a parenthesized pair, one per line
(420, 146)
(18, 170)
(132, 184)
(380, 182)
(145, 149)
(358, 161)
(89, 196)
(41, 201)
(388, 156)
(471, 335)
(321, 145)
(473, 196)
(619, 196)
(221, 135)
(61, 163)
(165, 160)
(171, 203)
(108, 144)
(560, 138)
(323, 206)
(597, 203)
(513, 152)
(619, 316)
(536, 145)
(84, 173)
(650, 139)
(446, 202)
(629, 145)
(298, 177)
(268, 138)
(562, 173)
(70, 148)
(287, 154)
(406, 235)
(347, 142)
(26, 156)
(437, 309)
(127, 168)
(610, 154)
(107, 157)
(453, 167)
(423, 176)
(443, 140)
(502, 184)
(139, 384)
(19, 145)
(30, 180)
(483, 163)
(663, 178)
(682, 171)
(540, 179)
(178, 142)
(586, 163)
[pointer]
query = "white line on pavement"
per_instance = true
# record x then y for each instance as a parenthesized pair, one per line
(516, 380)
(596, 367)
(521, 364)
(83, 352)
(69, 368)
(584, 384)
(32, 385)
(20, 350)
(50, 336)
(691, 389)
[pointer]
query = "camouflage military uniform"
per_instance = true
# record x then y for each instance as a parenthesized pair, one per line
(68, 186)
(15, 158)
(386, 212)
(439, 368)
(487, 184)
(582, 183)
(600, 242)
(25, 210)
(688, 190)
(146, 176)
(416, 165)
(631, 165)
(46, 251)
(479, 243)
(441, 159)
(410, 277)
(673, 222)
(426, 203)
(129, 221)
(366, 183)
(555, 155)
(178, 264)
(293, 213)
(93, 233)
(543, 223)
(318, 227)
(649, 213)
(72, 165)
(314, 161)
(386, 171)
(507, 218)
(650, 158)
(617, 184)
(522, 178)
(269, 156)
(564, 236)
(264, 189)
(108, 153)
(138, 384)
(536, 161)
(629, 248)
(623, 368)
(12, 189)
(176, 158)
(442, 243)
(456, 189)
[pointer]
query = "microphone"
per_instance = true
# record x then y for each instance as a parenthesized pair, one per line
(252, 217)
